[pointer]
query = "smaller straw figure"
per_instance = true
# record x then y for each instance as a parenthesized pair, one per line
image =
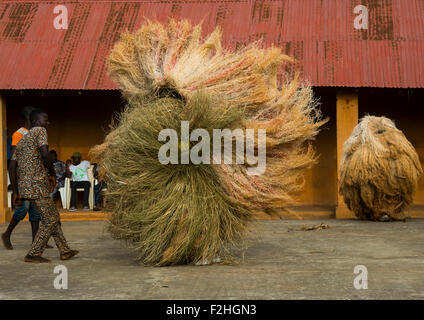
(380, 170)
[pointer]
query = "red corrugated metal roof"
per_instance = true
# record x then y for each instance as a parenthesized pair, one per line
(318, 33)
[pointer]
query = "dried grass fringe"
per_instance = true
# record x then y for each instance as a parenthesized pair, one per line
(379, 171)
(185, 213)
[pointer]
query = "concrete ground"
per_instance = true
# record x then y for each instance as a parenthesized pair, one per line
(282, 261)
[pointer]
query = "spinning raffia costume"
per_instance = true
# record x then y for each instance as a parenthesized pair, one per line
(186, 213)
(379, 171)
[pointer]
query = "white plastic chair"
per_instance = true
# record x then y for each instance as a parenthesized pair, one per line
(68, 195)
(63, 193)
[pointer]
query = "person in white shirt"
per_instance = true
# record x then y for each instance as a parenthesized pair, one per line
(78, 171)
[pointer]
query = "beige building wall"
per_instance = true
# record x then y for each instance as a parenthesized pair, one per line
(79, 121)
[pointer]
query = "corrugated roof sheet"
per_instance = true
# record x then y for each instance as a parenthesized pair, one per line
(318, 33)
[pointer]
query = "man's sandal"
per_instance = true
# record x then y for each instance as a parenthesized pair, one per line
(35, 259)
(68, 255)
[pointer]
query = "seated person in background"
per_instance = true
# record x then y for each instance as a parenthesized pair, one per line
(98, 189)
(60, 170)
(78, 171)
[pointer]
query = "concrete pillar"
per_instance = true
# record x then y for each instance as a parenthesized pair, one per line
(347, 119)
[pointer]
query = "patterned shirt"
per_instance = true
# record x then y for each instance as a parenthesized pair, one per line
(32, 175)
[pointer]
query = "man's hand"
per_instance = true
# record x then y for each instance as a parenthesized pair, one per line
(52, 180)
(16, 200)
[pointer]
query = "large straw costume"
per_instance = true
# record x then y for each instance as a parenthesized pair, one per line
(379, 171)
(186, 213)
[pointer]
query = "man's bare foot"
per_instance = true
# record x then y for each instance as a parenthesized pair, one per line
(35, 259)
(68, 255)
(6, 241)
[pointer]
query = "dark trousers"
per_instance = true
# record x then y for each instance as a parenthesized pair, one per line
(80, 184)
(98, 192)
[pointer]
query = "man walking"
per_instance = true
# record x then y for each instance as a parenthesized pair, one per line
(30, 181)
(24, 206)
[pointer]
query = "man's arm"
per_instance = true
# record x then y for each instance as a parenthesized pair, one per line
(14, 181)
(47, 160)
(13, 175)
(12, 150)
(48, 163)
